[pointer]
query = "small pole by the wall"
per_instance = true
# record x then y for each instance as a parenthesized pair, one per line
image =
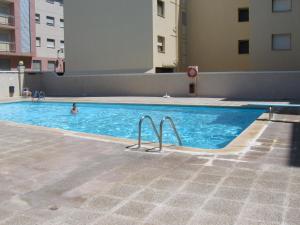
(21, 74)
(270, 113)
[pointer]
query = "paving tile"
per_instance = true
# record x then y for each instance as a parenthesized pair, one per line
(265, 185)
(223, 207)
(81, 217)
(262, 213)
(243, 173)
(223, 163)
(273, 176)
(238, 182)
(153, 196)
(294, 189)
(293, 216)
(122, 190)
(237, 194)
(116, 220)
(294, 201)
(198, 189)
(207, 179)
(255, 222)
(205, 218)
(169, 216)
(179, 174)
(21, 220)
(135, 209)
(167, 184)
(186, 201)
(261, 197)
(213, 170)
(103, 203)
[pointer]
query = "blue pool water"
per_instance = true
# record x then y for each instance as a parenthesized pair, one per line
(199, 127)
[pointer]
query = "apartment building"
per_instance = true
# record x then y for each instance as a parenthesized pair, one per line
(237, 35)
(168, 35)
(49, 20)
(122, 36)
(17, 33)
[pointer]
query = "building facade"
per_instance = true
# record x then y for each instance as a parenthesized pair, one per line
(238, 35)
(17, 33)
(49, 20)
(122, 36)
(168, 35)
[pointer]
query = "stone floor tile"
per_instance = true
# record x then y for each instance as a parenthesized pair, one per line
(237, 194)
(213, 170)
(135, 210)
(179, 174)
(295, 179)
(223, 207)
(262, 213)
(293, 216)
(81, 218)
(103, 203)
(224, 163)
(186, 201)
(243, 173)
(167, 184)
(266, 185)
(261, 197)
(152, 196)
(207, 179)
(294, 201)
(238, 182)
(21, 220)
(198, 189)
(294, 189)
(122, 190)
(169, 216)
(205, 218)
(116, 220)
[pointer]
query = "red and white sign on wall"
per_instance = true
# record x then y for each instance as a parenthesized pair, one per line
(192, 71)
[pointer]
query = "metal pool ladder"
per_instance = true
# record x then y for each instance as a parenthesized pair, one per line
(160, 134)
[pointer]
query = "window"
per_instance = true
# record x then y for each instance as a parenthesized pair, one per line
(50, 43)
(51, 65)
(50, 21)
(244, 47)
(281, 42)
(183, 18)
(50, 1)
(161, 44)
(161, 8)
(282, 5)
(38, 42)
(62, 44)
(244, 15)
(36, 65)
(37, 18)
(62, 23)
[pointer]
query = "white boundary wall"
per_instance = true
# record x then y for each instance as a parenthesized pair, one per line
(8, 79)
(281, 85)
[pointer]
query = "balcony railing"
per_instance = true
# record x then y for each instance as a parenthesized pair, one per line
(7, 20)
(9, 47)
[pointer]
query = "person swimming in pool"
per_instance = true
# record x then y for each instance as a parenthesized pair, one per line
(74, 109)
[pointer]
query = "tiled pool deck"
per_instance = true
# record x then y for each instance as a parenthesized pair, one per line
(48, 178)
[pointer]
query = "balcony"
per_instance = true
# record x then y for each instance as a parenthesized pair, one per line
(7, 47)
(7, 20)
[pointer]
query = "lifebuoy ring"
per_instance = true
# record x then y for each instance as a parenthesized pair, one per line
(192, 72)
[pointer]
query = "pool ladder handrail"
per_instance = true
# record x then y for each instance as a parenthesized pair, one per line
(158, 135)
(167, 118)
(140, 129)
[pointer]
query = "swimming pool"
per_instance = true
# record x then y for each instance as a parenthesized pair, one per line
(199, 127)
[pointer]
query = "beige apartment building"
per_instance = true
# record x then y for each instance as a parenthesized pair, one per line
(237, 35)
(168, 35)
(49, 21)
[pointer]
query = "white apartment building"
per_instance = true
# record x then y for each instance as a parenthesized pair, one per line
(122, 36)
(49, 19)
